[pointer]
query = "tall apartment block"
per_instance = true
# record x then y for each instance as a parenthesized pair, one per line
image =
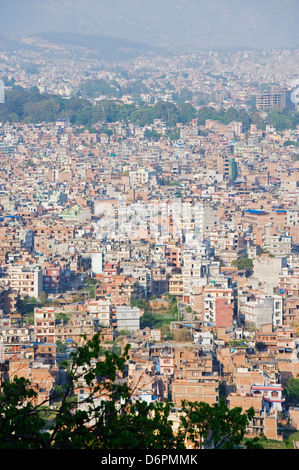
(44, 325)
(275, 99)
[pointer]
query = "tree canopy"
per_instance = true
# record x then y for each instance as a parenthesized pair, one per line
(243, 263)
(29, 105)
(291, 392)
(107, 416)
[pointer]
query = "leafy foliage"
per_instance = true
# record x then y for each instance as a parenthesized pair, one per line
(21, 424)
(95, 87)
(283, 120)
(106, 416)
(243, 263)
(183, 334)
(32, 106)
(216, 426)
(291, 391)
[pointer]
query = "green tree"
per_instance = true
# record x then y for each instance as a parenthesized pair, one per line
(43, 296)
(291, 392)
(21, 425)
(206, 112)
(243, 263)
(260, 346)
(185, 95)
(214, 426)
(166, 111)
(61, 347)
(140, 303)
(63, 316)
(186, 113)
(107, 417)
(152, 134)
(175, 134)
(289, 143)
(96, 87)
(148, 320)
(183, 335)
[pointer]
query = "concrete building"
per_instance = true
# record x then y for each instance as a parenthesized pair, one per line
(100, 310)
(44, 325)
(141, 176)
(26, 280)
(267, 271)
(271, 100)
(218, 305)
(97, 262)
(280, 245)
(263, 310)
(128, 318)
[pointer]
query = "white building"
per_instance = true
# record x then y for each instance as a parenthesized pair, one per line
(28, 281)
(101, 310)
(97, 262)
(141, 176)
(263, 310)
(280, 245)
(272, 396)
(128, 318)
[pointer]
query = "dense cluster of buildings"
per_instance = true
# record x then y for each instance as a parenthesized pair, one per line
(221, 79)
(209, 219)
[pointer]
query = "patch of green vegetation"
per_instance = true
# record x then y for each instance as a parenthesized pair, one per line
(289, 436)
(63, 316)
(243, 263)
(238, 343)
(158, 320)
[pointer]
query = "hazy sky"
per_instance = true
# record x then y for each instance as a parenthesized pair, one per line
(171, 23)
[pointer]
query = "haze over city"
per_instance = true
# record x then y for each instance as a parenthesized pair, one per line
(182, 24)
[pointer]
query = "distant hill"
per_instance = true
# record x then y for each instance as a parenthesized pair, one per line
(174, 24)
(94, 45)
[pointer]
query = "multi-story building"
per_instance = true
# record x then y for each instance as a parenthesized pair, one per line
(141, 273)
(263, 310)
(52, 281)
(26, 280)
(272, 395)
(289, 282)
(127, 318)
(280, 245)
(79, 326)
(13, 334)
(290, 310)
(218, 306)
(141, 176)
(100, 310)
(271, 100)
(44, 325)
(197, 386)
(176, 286)
(97, 261)
(43, 377)
(120, 289)
(9, 299)
(159, 281)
